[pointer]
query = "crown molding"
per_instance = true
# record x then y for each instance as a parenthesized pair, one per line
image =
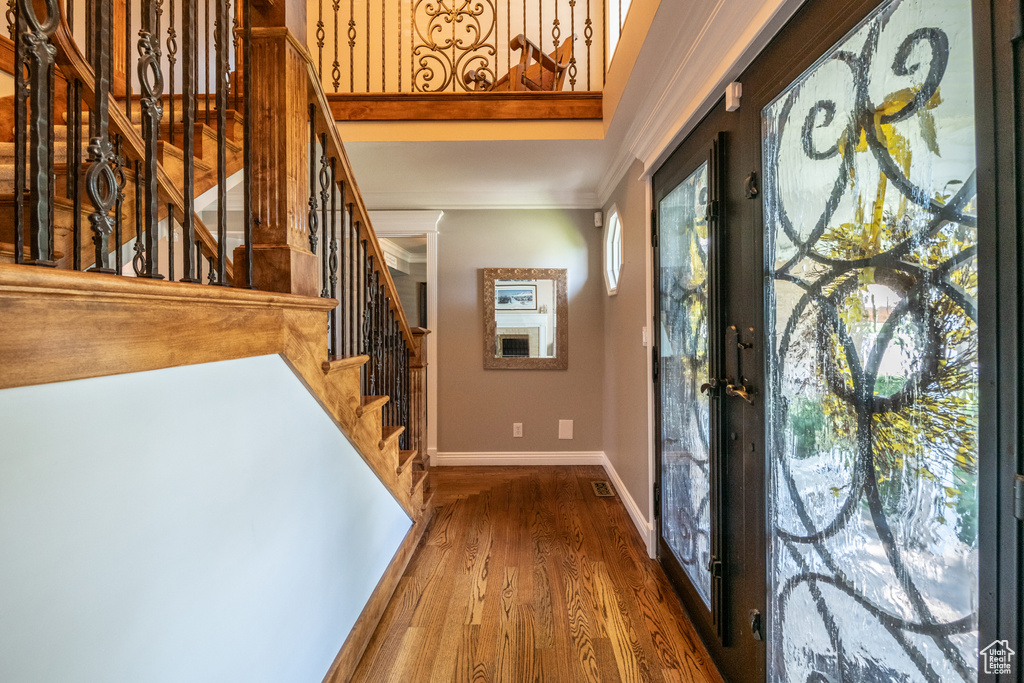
(464, 199)
(404, 222)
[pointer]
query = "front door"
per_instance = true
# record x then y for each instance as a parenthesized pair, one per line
(817, 331)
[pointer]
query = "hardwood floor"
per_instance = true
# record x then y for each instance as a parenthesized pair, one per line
(527, 576)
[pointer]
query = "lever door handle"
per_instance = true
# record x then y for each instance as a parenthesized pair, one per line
(708, 386)
(740, 391)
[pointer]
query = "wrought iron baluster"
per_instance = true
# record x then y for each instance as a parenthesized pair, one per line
(320, 40)
(74, 177)
(152, 83)
(405, 395)
(172, 59)
(233, 82)
(127, 59)
(398, 9)
(367, 47)
(370, 312)
(250, 220)
(333, 261)
(36, 52)
(383, 44)
(572, 30)
(351, 46)
(69, 139)
(312, 219)
(122, 182)
(588, 39)
(206, 56)
(100, 183)
(170, 242)
(139, 258)
(346, 301)
(212, 268)
(325, 195)
(336, 66)
(189, 82)
(12, 19)
(20, 152)
(222, 42)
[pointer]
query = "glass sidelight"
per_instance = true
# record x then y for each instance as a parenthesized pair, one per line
(872, 380)
(683, 368)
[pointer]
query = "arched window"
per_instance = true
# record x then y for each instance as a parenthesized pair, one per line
(612, 251)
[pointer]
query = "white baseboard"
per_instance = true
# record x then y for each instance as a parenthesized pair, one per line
(505, 458)
(646, 529)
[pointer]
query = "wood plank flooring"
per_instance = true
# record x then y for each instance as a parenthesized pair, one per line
(527, 576)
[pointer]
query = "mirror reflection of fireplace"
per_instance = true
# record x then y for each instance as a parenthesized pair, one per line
(515, 347)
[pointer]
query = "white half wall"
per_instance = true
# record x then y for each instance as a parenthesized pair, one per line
(203, 523)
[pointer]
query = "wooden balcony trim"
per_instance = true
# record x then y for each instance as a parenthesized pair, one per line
(448, 106)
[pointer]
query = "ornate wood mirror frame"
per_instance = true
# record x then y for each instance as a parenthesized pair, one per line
(560, 361)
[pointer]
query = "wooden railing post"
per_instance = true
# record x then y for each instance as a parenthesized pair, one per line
(418, 394)
(278, 110)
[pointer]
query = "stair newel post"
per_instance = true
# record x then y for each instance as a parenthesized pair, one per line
(222, 43)
(332, 263)
(325, 190)
(100, 182)
(37, 54)
(188, 110)
(151, 81)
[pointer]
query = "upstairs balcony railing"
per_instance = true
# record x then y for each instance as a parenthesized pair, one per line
(421, 46)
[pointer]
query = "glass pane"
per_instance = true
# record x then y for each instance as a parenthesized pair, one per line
(871, 228)
(686, 523)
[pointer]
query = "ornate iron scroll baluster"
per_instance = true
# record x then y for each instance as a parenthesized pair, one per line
(250, 220)
(152, 82)
(368, 324)
(100, 183)
(333, 261)
(212, 267)
(139, 257)
(345, 293)
(351, 46)
(172, 59)
(36, 52)
(336, 66)
(451, 42)
(206, 54)
(325, 196)
(233, 85)
(222, 43)
(128, 59)
(312, 220)
(320, 40)
(572, 30)
(122, 182)
(588, 40)
(190, 46)
(12, 18)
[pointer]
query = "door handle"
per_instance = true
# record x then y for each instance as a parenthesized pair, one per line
(708, 386)
(733, 364)
(741, 391)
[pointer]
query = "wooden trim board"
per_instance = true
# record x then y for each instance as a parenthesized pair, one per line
(448, 106)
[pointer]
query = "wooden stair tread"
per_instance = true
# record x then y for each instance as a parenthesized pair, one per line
(389, 434)
(338, 363)
(405, 458)
(368, 404)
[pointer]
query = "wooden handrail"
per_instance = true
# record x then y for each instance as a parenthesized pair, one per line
(74, 65)
(335, 147)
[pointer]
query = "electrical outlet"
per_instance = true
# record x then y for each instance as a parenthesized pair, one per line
(565, 429)
(517, 429)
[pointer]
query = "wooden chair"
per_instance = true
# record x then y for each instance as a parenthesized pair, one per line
(535, 70)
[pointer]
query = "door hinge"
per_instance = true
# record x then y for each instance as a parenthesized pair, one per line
(655, 361)
(657, 500)
(713, 209)
(715, 567)
(654, 229)
(1018, 497)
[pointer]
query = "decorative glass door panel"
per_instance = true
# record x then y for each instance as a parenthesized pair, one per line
(872, 382)
(683, 368)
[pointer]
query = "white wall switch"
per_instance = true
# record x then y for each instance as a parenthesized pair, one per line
(645, 337)
(517, 429)
(565, 429)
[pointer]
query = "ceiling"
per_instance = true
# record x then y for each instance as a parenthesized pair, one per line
(691, 51)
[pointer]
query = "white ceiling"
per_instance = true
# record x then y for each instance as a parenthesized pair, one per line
(691, 52)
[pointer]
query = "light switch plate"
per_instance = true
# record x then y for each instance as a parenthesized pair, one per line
(517, 429)
(565, 429)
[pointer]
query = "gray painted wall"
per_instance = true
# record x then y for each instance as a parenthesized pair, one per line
(206, 523)
(625, 365)
(476, 407)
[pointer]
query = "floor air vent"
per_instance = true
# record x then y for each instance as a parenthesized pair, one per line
(602, 489)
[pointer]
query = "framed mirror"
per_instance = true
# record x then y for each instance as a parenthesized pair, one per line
(526, 319)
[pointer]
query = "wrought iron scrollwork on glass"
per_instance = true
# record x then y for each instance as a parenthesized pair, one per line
(870, 205)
